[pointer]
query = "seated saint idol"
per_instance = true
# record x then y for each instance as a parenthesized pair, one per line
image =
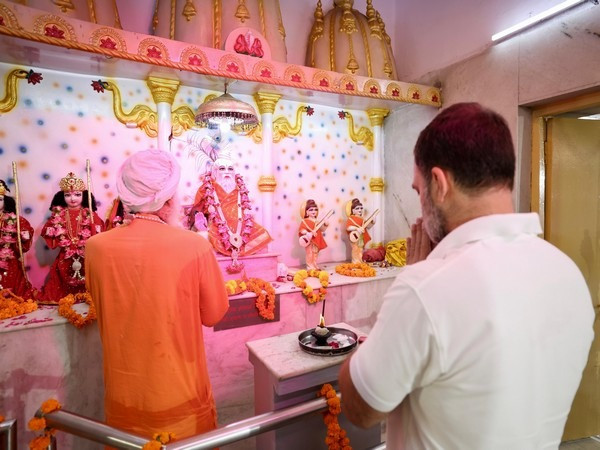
(223, 200)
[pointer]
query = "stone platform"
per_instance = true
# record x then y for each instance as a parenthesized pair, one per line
(260, 265)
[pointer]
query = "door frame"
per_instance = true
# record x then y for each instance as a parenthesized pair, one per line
(539, 115)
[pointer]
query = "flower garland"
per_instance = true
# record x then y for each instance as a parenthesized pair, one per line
(65, 309)
(311, 295)
(8, 237)
(39, 424)
(355, 270)
(158, 440)
(336, 435)
(232, 242)
(12, 305)
(59, 228)
(265, 294)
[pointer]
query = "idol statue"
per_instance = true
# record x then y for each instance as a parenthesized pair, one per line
(311, 232)
(68, 228)
(12, 269)
(357, 228)
(224, 202)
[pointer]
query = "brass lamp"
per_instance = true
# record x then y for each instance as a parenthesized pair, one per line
(226, 109)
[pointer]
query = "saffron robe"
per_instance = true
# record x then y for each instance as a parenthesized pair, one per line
(259, 237)
(317, 239)
(154, 287)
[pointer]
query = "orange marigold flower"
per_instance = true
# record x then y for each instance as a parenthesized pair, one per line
(50, 405)
(39, 443)
(1, 418)
(152, 445)
(36, 424)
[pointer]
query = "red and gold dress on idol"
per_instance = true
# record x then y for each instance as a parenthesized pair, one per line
(12, 275)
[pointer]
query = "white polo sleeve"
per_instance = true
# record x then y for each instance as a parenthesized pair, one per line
(400, 354)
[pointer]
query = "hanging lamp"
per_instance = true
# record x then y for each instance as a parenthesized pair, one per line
(226, 109)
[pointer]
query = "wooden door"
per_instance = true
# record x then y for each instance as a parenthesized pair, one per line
(572, 223)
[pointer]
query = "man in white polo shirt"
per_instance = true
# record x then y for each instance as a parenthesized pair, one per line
(481, 342)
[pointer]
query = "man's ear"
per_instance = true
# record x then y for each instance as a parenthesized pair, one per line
(440, 185)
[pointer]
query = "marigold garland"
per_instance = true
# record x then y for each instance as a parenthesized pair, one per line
(355, 270)
(265, 294)
(158, 440)
(336, 436)
(65, 309)
(12, 305)
(39, 424)
(311, 295)
(2, 418)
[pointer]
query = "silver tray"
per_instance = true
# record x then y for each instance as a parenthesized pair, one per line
(340, 342)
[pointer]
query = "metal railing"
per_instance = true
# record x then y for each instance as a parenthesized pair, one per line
(237, 431)
(8, 434)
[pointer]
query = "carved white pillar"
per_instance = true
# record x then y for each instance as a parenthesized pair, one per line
(266, 184)
(163, 92)
(376, 184)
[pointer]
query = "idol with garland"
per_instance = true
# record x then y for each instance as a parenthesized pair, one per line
(223, 200)
(357, 228)
(310, 233)
(68, 228)
(12, 270)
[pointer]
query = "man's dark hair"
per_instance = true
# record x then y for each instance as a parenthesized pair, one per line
(471, 142)
(10, 205)
(59, 200)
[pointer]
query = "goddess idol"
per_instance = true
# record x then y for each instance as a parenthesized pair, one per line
(72, 222)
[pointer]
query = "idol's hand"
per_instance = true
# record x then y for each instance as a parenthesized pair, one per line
(418, 244)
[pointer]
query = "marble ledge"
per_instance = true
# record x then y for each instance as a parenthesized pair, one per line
(284, 359)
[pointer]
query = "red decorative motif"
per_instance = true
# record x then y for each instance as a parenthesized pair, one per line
(1, 20)
(296, 78)
(108, 43)
(349, 86)
(99, 85)
(416, 96)
(342, 114)
(395, 93)
(324, 82)
(374, 90)
(265, 73)
(194, 60)
(54, 31)
(153, 52)
(233, 67)
(242, 45)
(310, 110)
(34, 77)
(434, 98)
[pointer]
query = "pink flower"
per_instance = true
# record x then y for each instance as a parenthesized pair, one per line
(69, 252)
(85, 233)
(51, 232)
(6, 253)
(3, 264)
(59, 231)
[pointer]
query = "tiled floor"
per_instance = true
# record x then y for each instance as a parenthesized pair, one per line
(592, 443)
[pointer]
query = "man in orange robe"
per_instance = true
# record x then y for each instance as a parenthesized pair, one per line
(154, 287)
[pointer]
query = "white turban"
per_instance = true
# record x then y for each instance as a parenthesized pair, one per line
(147, 179)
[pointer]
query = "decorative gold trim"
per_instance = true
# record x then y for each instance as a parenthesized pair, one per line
(10, 88)
(267, 183)
(182, 119)
(376, 115)
(266, 101)
(261, 12)
(389, 90)
(141, 116)
(348, 83)
(260, 66)
(370, 86)
(194, 57)
(163, 89)
(9, 16)
(377, 184)
(92, 11)
(322, 79)
(103, 33)
(40, 24)
(255, 133)
(348, 24)
(280, 26)
(117, 17)
(414, 94)
(365, 39)
(352, 65)
(295, 74)
(282, 127)
(363, 136)
(172, 19)
(217, 26)
(64, 5)
(434, 95)
(189, 10)
(316, 31)
(242, 12)
(153, 48)
(332, 40)
(231, 63)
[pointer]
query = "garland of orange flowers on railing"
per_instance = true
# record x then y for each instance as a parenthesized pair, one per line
(336, 435)
(1, 418)
(265, 294)
(158, 440)
(65, 309)
(12, 305)
(355, 270)
(39, 424)
(311, 295)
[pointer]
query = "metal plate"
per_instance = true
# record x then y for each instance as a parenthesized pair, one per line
(346, 340)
